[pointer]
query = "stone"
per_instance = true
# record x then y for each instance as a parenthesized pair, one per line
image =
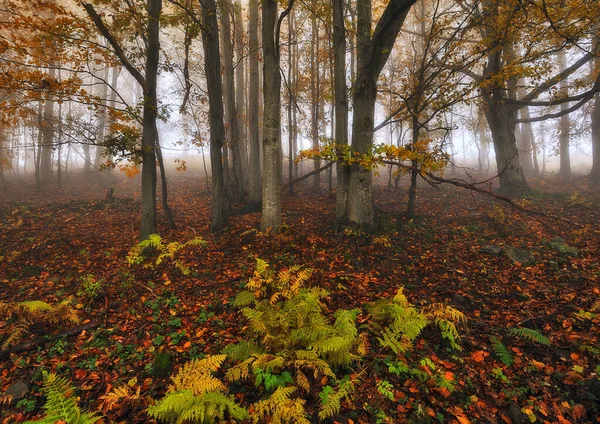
(561, 247)
(491, 249)
(17, 391)
(32, 271)
(162, 366)
(520, 256)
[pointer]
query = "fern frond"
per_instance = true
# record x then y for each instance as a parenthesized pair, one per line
(531, 335)
(196, 376)
(60, 406)
(302, 381)
(333, 402)
(15, 334)
(502, 352)
(280, 408)
(185, 407)
(118, 395)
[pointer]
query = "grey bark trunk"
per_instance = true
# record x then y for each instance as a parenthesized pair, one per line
(271, 187)
(373, 52)
(341, 110)
(212, 67)
(101, 127)
(595, 174)
(315, 87)
(255, 193)
(48, 134)
(148, 213)
(565, 124)
(240, 108)
(236, 184)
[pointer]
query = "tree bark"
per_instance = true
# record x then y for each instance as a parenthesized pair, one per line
(373, 52)
(341, 110)
(595, 174)
(101, 127)
(150, 109)
(272, 155)
(236, 184)
(48, 134)
(315, 86)
(212, 69)
(565, 124)
(240, 109)
(255, 194)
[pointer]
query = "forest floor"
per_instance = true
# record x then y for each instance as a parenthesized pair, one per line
(72, 244)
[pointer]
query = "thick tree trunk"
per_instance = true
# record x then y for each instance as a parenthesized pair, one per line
(271, 187)
(255, 193)
(236, 187)
(290, 106)
(373, 52)
(148, 214)
(565, 124)
(501, 119)
(341, 110)
(526, 141)
(212, 68)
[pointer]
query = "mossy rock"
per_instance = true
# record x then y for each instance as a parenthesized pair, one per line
(561, 247)
(162, 366)
(517, 255)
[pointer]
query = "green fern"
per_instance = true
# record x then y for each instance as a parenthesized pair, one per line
(186, 407)
(331, 400)
(60, 405)
(197, 396)
(502, 352)
(22, 317)
(165, 251)
(531, 335)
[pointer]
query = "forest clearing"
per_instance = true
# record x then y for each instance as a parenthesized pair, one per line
(74, 245)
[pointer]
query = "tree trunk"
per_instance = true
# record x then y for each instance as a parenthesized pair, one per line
(290, 106)
(314, 93)
(240, 110)
(373, 52)
(112, 104)
(271, 187)
(341, 110)
(148, 213)
(236, 187)
(501, 119)
(565, 124)
(163, 180)
(101, 127)
(212, 69)
(595, 174)
(48, 134)
(255, 194)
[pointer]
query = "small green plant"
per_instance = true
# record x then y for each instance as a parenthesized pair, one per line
(60, 405)
(271, 381)
(164, 251)
(23, 317)
(397, 323)
(530, 335)
(90, 287)
(197, 396)
(502, 352)
(386, 389)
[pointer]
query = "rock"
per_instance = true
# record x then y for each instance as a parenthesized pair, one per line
(17, 391)
(519, 255)
(162, 366)
(491, 249)
(32, 271)
(515, 414)
(560, 246)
